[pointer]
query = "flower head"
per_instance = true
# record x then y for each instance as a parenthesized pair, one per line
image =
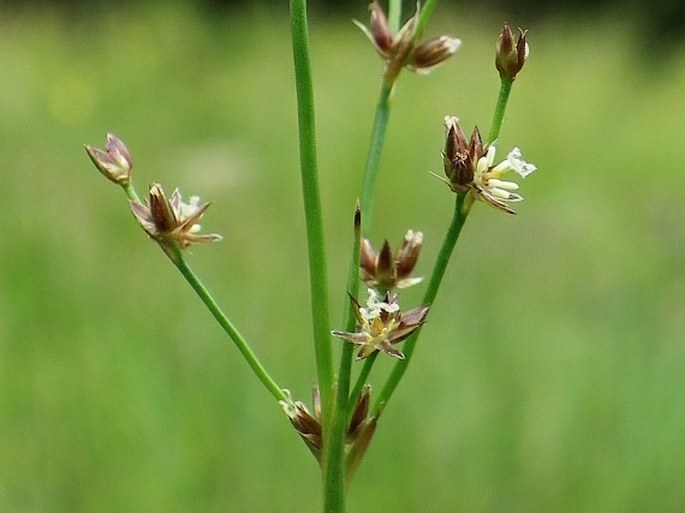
(114, 162)
(171, 221)
(384, 271)
(470, 168)
(510, 58)
(400, 49)
(381, 325)
(308, 425)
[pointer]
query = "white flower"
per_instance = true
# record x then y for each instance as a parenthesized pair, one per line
(487, 185)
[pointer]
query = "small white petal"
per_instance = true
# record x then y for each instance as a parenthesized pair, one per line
(499, 193)
(453, 44)
(490, 155)
(519, 165)
(502, 184)
(504, 195)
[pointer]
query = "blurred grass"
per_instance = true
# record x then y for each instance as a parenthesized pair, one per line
(549, 377)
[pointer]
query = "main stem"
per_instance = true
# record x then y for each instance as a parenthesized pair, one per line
(334, 467)
(457, 223)
(312, 201)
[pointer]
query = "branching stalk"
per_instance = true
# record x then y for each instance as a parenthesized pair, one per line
(380, 125)
(458, 220)
(227, 326)
(500, 108)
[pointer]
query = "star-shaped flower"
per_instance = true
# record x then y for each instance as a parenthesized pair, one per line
(171, 220)
(381, 325)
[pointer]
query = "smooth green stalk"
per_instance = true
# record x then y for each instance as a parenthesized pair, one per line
(380, 125)
(498, 117)
(312, 201)
(458, 220)
(363, 375)
(426, 12)
(334, 459)
(131, 192)
(380, 122)
(261, 373)
(350, 317)
(394, 15)
(176, 257)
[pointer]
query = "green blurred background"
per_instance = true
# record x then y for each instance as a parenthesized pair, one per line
(550, 376)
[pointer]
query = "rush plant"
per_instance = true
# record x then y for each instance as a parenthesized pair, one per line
(342, 418)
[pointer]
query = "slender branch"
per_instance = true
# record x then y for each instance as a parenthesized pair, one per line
(312, 201)
(131, 192)
(227, 326)
(394, 15)
(350, 318)
(363, 375)
(458, 220)
(500, 108)
(426, 12)
(380, 125)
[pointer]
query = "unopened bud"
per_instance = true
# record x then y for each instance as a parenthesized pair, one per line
(361, 444)
(114, 162)
(511, 57)
(387, 272)
(380, 29)
(359, 414)
(430, 53)
(408, 254)
(458, 166)
(306, 425)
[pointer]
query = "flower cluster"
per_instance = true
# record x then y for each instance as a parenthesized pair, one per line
(469, 166)
(360, 428)
(382, 271)
(401, 50)
(169, 221)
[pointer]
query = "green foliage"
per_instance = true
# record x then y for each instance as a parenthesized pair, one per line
(549, 377)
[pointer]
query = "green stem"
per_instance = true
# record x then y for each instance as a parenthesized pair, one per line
(350, 317)
(380, 122)
(394, 15)
(498, 117)
(176, 257)
(458, 220)
(312, 201)
(380, 125)
(426, 12)
(363, 375)
(227, 326)
(334, 459)
(131, 192)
